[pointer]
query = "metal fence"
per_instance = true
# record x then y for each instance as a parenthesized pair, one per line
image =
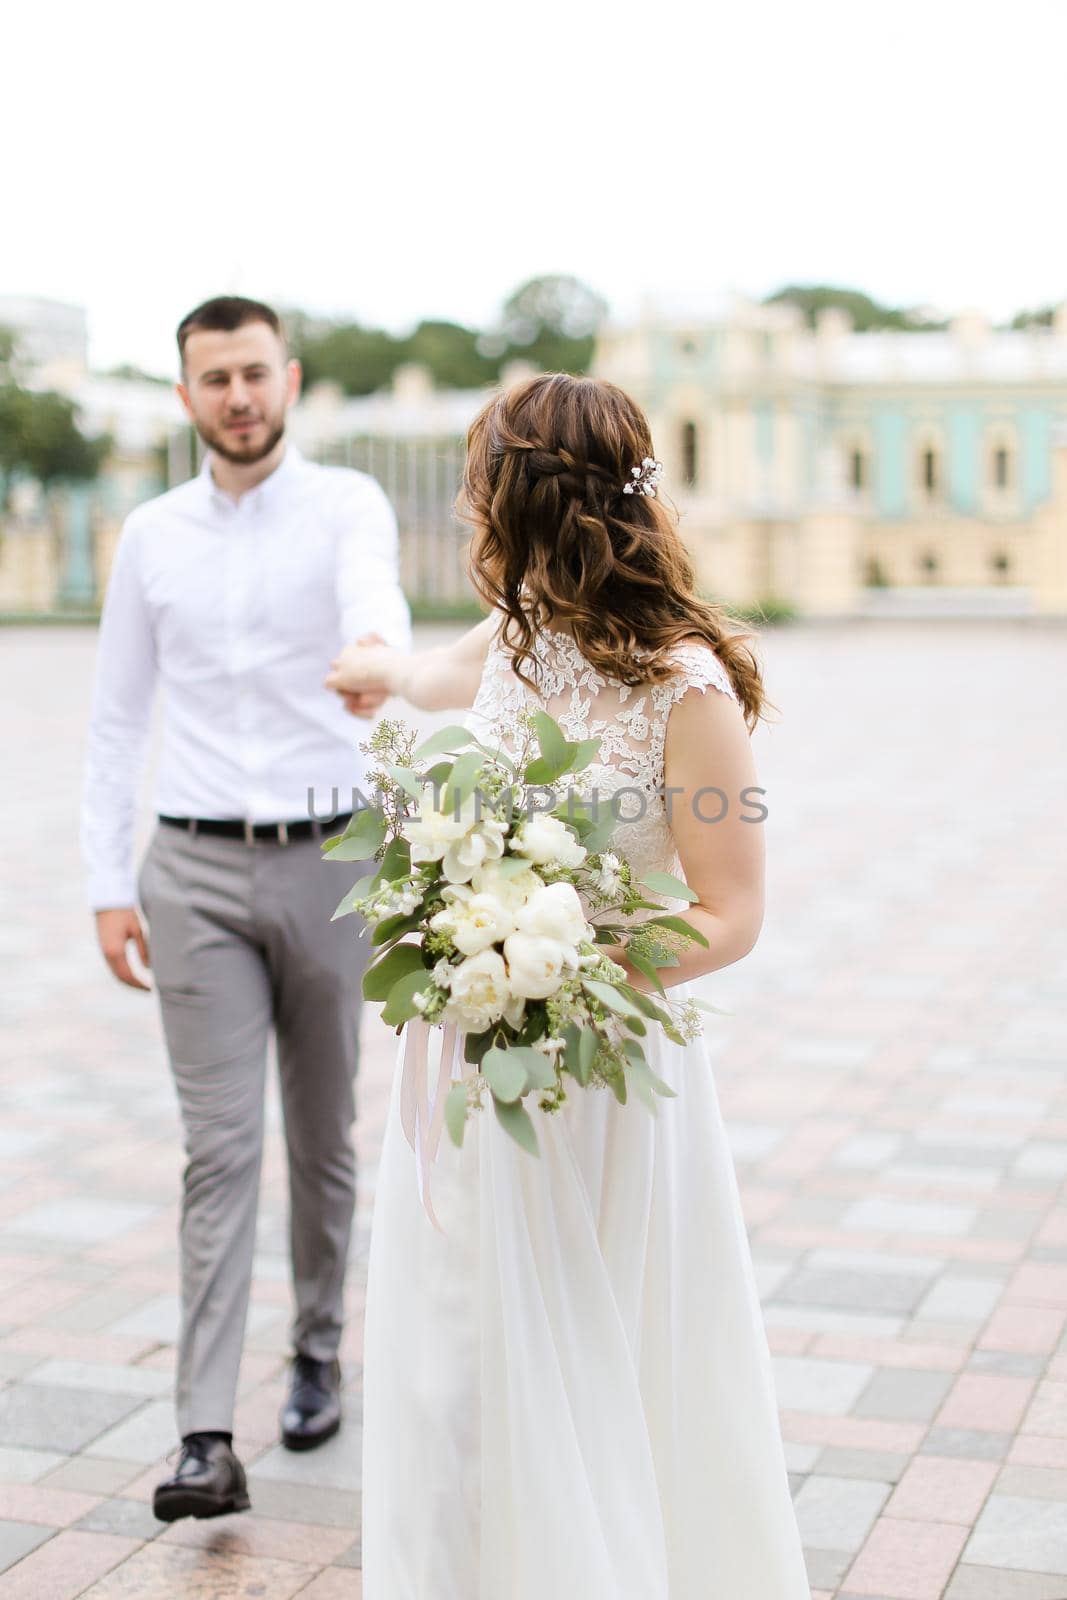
(56, 555)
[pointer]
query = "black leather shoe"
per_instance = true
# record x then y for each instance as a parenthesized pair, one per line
(209, 1482)
(312, 1413)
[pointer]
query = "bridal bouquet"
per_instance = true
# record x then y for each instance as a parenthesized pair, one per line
(491, 907)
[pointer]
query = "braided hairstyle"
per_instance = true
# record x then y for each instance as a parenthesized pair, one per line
(557, 543)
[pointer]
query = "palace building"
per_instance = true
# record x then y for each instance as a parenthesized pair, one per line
(824, 467)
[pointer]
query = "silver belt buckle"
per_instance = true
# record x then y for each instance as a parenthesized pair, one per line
(250, 834)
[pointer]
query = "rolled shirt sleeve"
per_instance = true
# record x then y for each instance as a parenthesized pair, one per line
(118, 730)
(368, 565)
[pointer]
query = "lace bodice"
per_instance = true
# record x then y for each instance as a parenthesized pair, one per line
(629, 721)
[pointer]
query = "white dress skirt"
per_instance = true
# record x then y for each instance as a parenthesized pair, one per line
(568, 1392)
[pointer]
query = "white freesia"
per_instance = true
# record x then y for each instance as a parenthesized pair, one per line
(537, 965)
(554, 912)
(608, 877)
(484, 842)
(479, 992)
(474, 921)
(510, 889)
(547, 841)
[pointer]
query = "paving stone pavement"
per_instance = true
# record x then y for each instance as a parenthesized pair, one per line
(894, 1077)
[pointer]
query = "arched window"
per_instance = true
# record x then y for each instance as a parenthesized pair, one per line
(930, 470)
(928, 565)
(1000, 562)
(690, 454)
(1001, 465)
(857, 469)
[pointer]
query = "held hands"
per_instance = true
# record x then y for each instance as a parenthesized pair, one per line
(365, 674)
(115, 929)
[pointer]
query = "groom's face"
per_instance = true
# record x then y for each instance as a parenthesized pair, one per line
(237, 388)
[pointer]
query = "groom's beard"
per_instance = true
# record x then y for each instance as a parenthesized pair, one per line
(243, 449)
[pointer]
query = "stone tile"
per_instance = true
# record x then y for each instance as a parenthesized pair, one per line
(161, 1571)
(989, 1583)
(909, 1216)
(1033, 1482)
(1020, 1532)
(17, 1539)
(255, 1535)
(80, 1221)
(1010, 1361)
(26, 1466)
(942, 1489)
(58, 1419)
(830, 1387)
(332, 1584)
(986, 1401)
(102, 1376)
(885, 1466)
(909, 1395)
(960, 1299)
(337, 1464)
(837, 1513)
(65, 1566)
(848, 1289)
(906, 1559)
(145, 1436)
(826, 1567)
(1048, 1410)
(53, 1508)
(304, 1502)
(128, 1517)
(94, 1474)
(971, 1443)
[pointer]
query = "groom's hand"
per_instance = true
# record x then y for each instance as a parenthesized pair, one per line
(115, 929)
(365, 702)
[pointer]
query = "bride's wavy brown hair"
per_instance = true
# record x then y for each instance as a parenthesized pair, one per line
(557, 542)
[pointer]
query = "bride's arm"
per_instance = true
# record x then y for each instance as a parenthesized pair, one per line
(431, 680)
(708, 749)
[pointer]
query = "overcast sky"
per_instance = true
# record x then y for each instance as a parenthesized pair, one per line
(424, 160)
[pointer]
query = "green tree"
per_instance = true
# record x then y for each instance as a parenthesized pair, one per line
(39, 433)
(359, 359)
(453, 355)
(552, 321)
(1039, 318)
(867, 314)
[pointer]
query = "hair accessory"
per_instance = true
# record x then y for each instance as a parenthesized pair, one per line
(645, 477)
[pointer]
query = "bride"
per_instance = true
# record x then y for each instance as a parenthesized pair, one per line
(568, 1393)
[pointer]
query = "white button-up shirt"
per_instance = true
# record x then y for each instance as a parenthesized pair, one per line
(235, 608)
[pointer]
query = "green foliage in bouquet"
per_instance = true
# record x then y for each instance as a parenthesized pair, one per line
(491, 909)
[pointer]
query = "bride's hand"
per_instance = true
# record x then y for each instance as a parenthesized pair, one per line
(365, 674)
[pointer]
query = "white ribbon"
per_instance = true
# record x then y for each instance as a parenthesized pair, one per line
(421, 1121)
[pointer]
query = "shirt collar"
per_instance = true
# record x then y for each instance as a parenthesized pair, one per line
(265, 494)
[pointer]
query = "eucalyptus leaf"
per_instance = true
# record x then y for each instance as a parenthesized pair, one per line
(551, 738)
(409, 781)
(401, 959)
(504, 1073)
(667, 883)
(391, 928)
(588, 1048)
(475, 1046)
(646, 965)
(585, 753)
(396, 862)
(361, 840)
(540, 1073)
(461, 781)
(348, 904)
(609, 996)
(456, 1112)
(511, 866)
(400, 1006)
(600, 834)
(452, 737)
(541, 771)
(515, 1120)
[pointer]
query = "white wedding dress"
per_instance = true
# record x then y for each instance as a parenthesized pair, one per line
(568, 1394)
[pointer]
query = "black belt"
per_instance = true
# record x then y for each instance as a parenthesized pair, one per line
(276, 832)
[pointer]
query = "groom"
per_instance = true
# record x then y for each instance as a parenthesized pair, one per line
(231, 594)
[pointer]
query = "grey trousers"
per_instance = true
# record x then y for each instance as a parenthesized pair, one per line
(241, 940)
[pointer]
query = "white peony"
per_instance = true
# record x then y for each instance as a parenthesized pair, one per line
(548, 842)
(479, 992)
(509, 889)
(474, 921)
(460, 842)
(554, 912)
(537, 965)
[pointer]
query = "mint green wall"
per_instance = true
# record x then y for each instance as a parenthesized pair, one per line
(963, 438)
(1035, 434)
(889, 426)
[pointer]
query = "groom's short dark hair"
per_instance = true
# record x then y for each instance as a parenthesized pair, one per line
(224, 313)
